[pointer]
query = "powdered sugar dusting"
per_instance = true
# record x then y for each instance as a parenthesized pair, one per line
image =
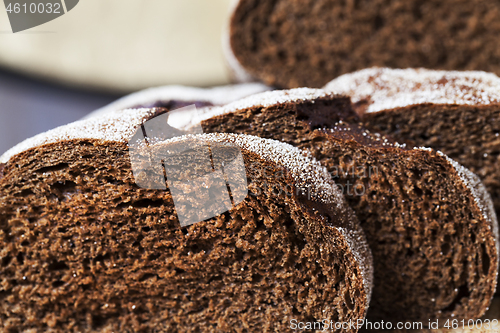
(117, 123)
(308, 173)
(382, 140)
(481, 197)
(361, 251)
(216, 96)
(270, 98)
(114, 126)
(386, 88)
(265, 99)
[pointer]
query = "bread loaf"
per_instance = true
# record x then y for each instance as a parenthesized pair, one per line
(429, 221)
(307, 43)
(84, 248)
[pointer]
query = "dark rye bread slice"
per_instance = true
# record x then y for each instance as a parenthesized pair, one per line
(83, 249)
(455, 112)
(429, 221)
(297, 43)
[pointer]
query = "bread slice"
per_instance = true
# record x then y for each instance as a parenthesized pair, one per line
(455, 112)
(292, 43)
(84, 248)
(429, 221)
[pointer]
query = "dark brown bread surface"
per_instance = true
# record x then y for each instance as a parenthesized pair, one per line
(489, 323)
(455, 112)
(296, 43)
(429, 222)
(83, 249)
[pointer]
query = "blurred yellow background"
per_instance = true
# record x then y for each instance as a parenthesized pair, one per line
(123, 45)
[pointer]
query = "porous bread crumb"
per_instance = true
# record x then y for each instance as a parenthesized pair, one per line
(305, 169)
(387, 88)
(481, 196)
(135, 231)
(307, 173)
(476, 187)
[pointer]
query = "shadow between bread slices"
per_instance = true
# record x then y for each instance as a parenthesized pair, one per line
(429, 221)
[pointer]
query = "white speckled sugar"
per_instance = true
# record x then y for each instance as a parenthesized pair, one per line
(109, 122)
(264, 99)
(216, 96)
(481, 197)
(113, 126)
(269, 98)
(308, 173)
(380, 139)
(386, 88)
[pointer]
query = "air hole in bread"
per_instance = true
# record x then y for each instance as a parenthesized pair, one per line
(53, 168)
